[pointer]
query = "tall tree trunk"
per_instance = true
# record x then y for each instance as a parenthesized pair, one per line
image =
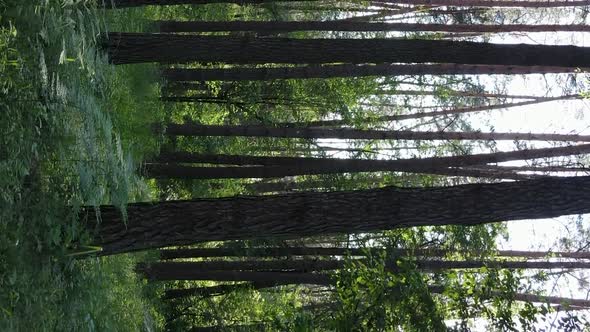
(180, 272)
(140, 3)
(211, 291)
(192, 129)
(290, 26)
(313, 265)
(349, 70)
(331, 251)
(172, 223)
(293, 166)
(127, 48)
(452, 111)
(456, 93)
(531, 298)
(497, 3)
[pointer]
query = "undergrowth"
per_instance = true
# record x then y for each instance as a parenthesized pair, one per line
(67, 122)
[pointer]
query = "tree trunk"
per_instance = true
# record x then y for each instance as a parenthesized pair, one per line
(159, 272)
(127, 48)
(452, 111)
(313, 265)
(172, 223)
(455, 93)
(217, 290)
(349, 70)
(496, 3)
(331, 251)
(293, 166)
(140, 3)
(531, 298)
(191, 129)
(290, 26)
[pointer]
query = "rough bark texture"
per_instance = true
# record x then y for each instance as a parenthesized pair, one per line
(126, 48)
(314, 265)
(140, 3)
(330, 251)
(452, 111)
(496, 3)
(278, 26)
(350, 133)
(532, 298)
(217, 290)
(153, 225)
(269, 167)
(349, 70)
(179, 271)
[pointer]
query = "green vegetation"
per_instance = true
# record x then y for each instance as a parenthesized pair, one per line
(69, 121)
(76, 130)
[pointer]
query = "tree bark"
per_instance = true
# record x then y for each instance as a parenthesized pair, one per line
(293, 166)
(338, 251)
(217, 290)
(456, 93)
(452, 111)
(127, 48)
(496, 3)
(173, 223)
(313, 265)
(349, 70)
(140, 3)
(191, 129)
(290, 26)
(158, 272)
(532, 298)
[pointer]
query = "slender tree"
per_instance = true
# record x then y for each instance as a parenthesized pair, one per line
(350, 133)
(140, 3)
(127, 48)
(349, 70)
(292, 166)
(171, 223)
(339, 251)
(497, 3)
(290, 26)
(446, 112)
(315, 265)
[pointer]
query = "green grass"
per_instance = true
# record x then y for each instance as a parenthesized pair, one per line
(67, 123)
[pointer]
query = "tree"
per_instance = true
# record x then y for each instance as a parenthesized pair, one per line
(140, 3)
(153, 225)
(497, 3)
(348, 70)
(290, 26)
(319, 265)
(127, 48)
(451, 111)
(265, 167)
(339, 251)
(350, 133)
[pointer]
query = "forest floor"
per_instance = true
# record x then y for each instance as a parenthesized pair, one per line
(70, 127)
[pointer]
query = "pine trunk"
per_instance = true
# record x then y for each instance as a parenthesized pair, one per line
(140, 3)
(172, 223)
(350, 133)
(337, 251)
(497, 3)
(314, 265)
(452, 111)
(290, 26)
(292, 166)
(127, 48)
(349, 70)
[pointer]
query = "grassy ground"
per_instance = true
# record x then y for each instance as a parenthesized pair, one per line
(68, 123)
